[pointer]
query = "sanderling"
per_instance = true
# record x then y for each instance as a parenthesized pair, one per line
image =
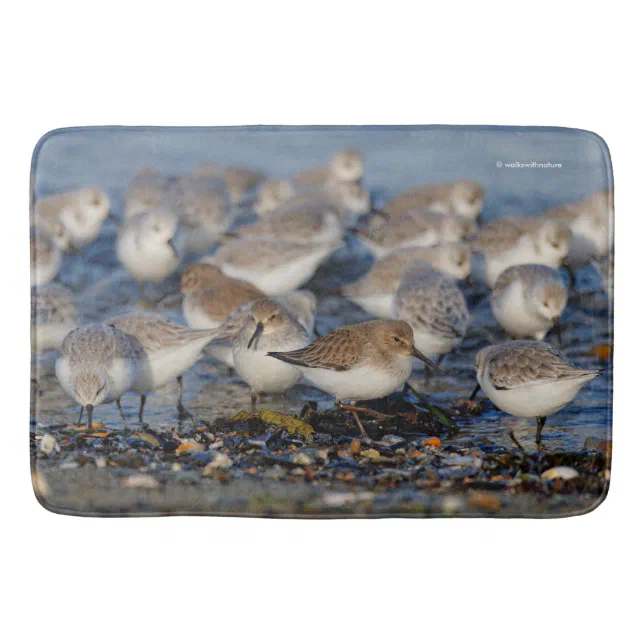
(47, 252)
(529, 379)
(53, 316)
(267, 327)
(312, 222)
(358, 362)
(528, 300)
(510, 241)
(239, 181)
(374, 292)
(433, 305)
(97, 364)
(464, 198)
(82, 212)
(203, 208)
(590, 222)
(210, 296)
(300, 304)
(271, 195)
(150, 245)
(418, 228)
(274, 266)
(165, 351)
(346, 166)
(145, 192)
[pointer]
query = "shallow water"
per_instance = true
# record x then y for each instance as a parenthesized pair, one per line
(396, 159)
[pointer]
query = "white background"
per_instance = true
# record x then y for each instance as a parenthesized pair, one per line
(183, 579)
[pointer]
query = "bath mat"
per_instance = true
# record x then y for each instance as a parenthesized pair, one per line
(321, 322)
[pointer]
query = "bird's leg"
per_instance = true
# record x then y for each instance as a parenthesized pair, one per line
(363, 433)
(143, 399)
(476, 390)
(253, 402)
(80, 418)
(365, 410)
(90, 411)
(541, 421)
(353, 411)
(180, 398)
(183, 412)
(516, 442)
(284, 402)
(118, 404)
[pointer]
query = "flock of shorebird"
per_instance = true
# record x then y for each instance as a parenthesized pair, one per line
(243, 301)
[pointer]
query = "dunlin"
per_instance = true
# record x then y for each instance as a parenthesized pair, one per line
(97, 364)
(268, 327)
(374, 292)
(273, 266)
(210, 296)
(510, 241)
(150, 245)
(415, 229)
(464, 198)
(358, 362)
(47, 252)
(164, 352)
(347, 166)
(529, 379)
(53, 316)
(82, 212)
(528, 300)
(433, 305)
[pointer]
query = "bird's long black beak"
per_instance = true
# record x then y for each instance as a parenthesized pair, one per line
(430, 363)
(476, 390)
(256, 335)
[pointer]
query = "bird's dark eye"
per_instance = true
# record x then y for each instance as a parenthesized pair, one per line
(396, 339)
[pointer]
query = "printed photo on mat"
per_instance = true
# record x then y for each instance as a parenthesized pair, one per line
(409, 321)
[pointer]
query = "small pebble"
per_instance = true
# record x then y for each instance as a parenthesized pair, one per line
(48, 445)
(220, 461)
(301, 459)
(560, 472)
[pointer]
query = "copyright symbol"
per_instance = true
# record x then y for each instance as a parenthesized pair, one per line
(499, 164)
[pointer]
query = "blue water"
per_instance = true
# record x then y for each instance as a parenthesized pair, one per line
(397, 158)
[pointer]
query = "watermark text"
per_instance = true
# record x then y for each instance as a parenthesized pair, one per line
(530, 164)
